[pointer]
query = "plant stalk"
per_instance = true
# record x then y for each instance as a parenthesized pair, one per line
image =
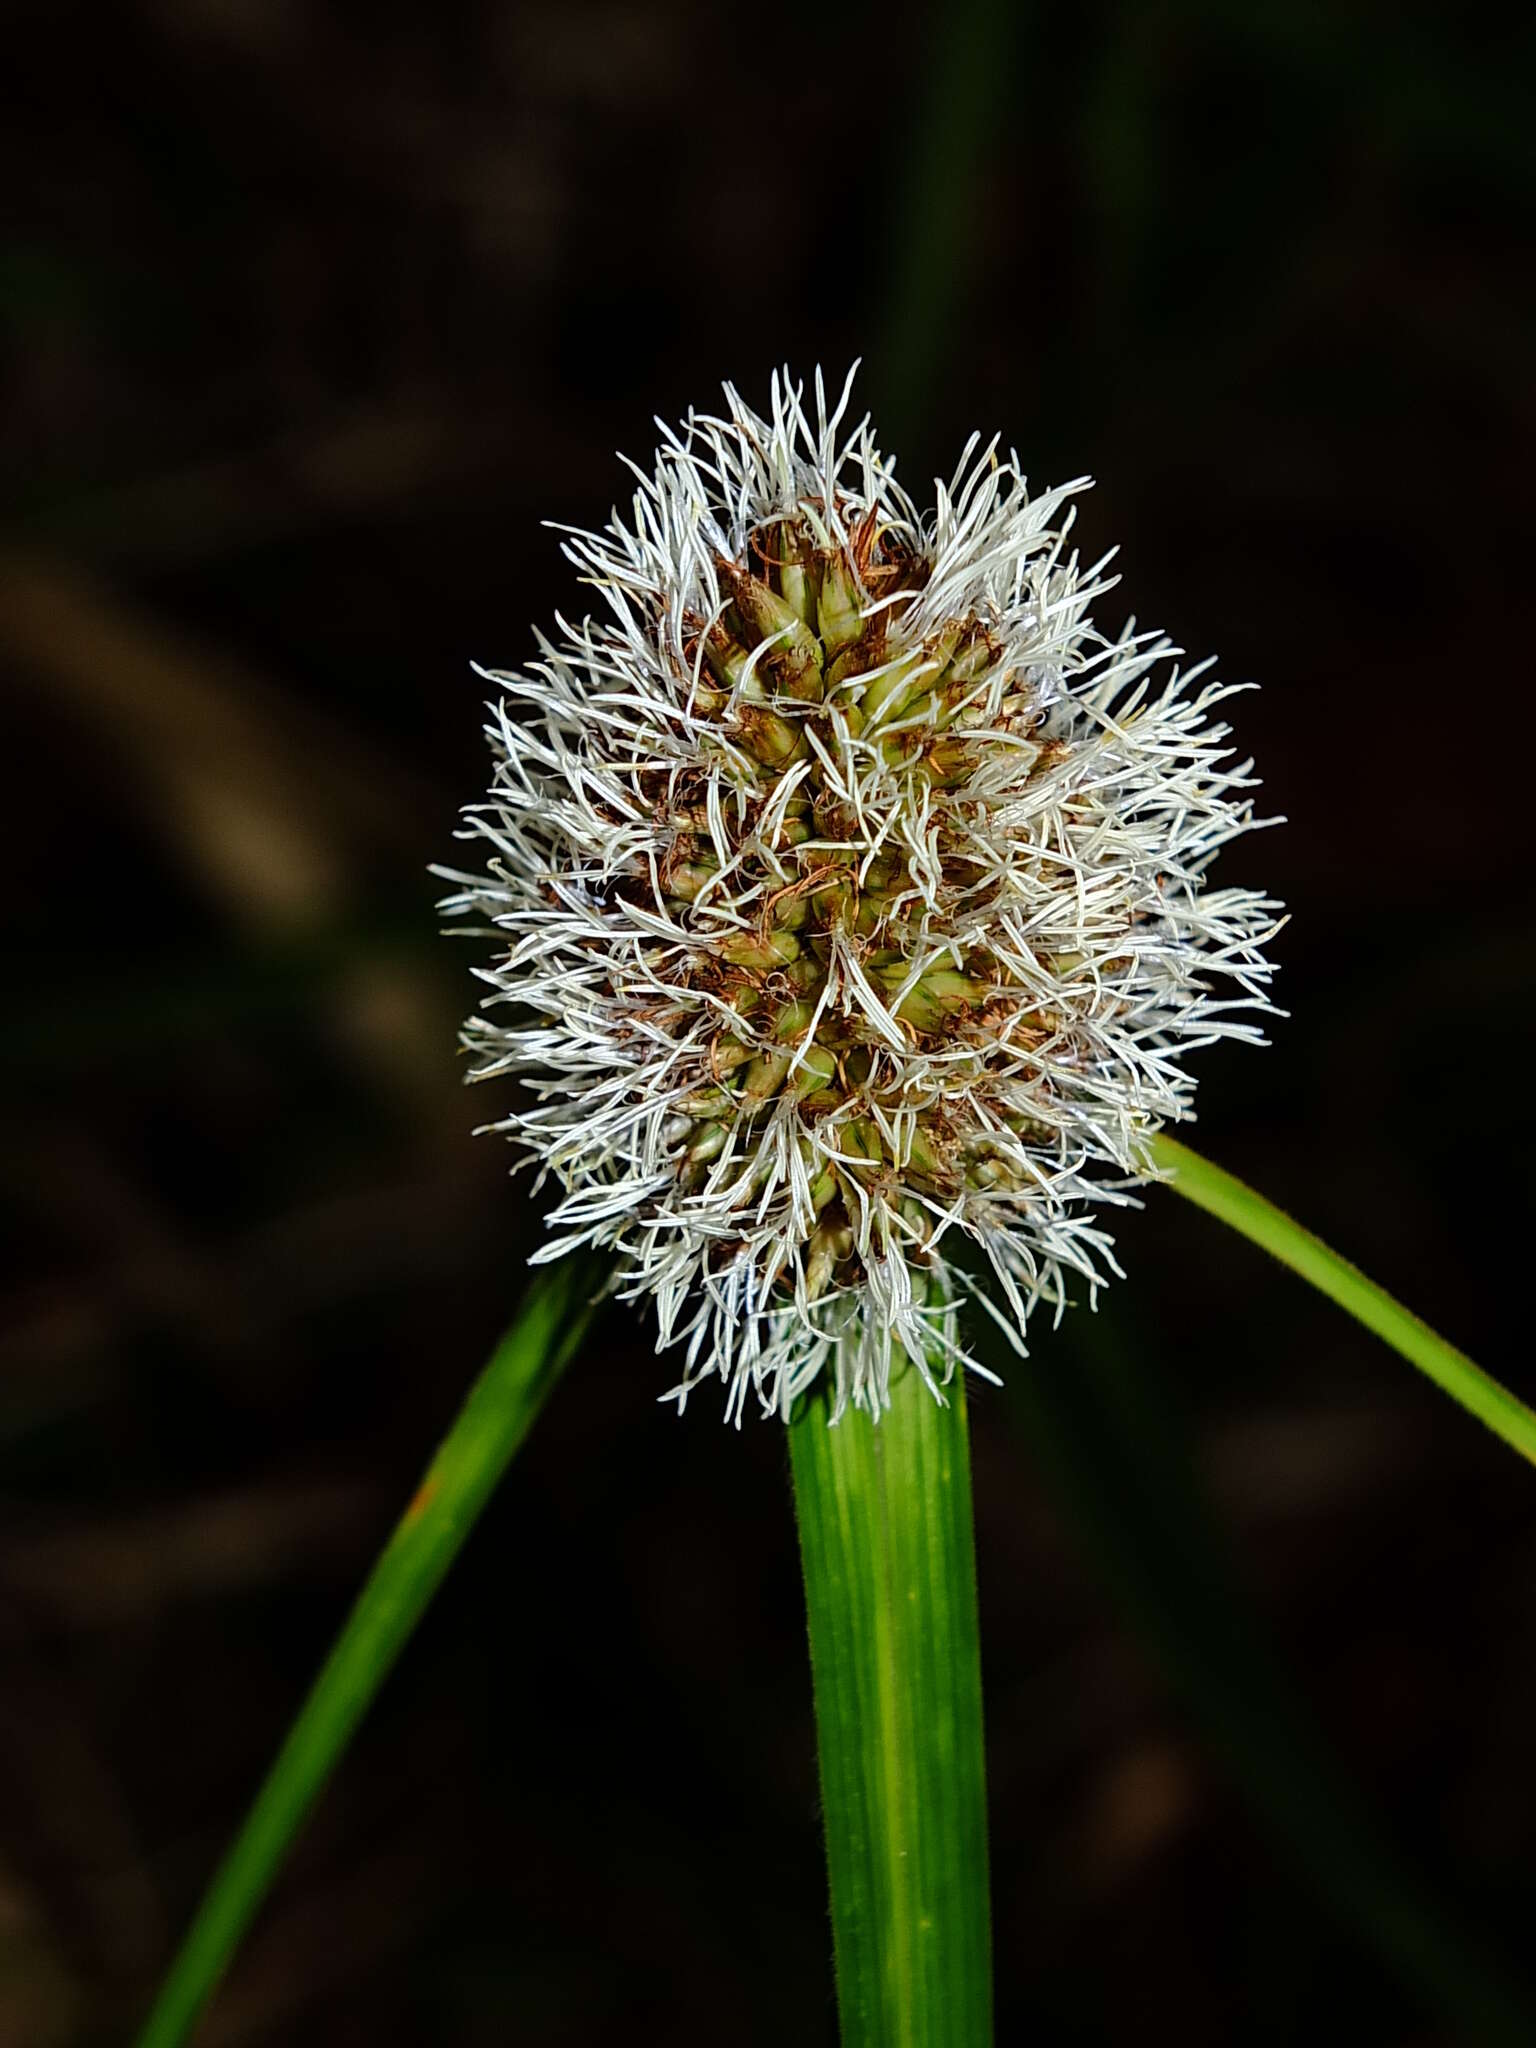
(884, 1515)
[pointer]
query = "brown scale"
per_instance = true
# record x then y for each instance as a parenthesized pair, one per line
(805, 599)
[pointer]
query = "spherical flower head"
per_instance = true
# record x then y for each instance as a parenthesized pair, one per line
(850, 898)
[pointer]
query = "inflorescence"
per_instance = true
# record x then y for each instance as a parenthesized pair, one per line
(850, 895)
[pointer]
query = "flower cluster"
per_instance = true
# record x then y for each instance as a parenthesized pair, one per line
(849, 891)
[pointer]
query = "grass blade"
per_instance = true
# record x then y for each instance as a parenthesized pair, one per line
(1108, 1448)
(1233, 1202)
(498, 1414)
(884, 1514)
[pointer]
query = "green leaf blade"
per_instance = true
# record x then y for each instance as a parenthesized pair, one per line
(887, 1549)
(1243, 1209)
(500, 1410)
(1107, 1445)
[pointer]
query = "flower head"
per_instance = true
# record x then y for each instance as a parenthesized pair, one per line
(850, 897)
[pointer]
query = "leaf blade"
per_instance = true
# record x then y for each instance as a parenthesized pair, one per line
(496, 1416)
(1242, 1208)
(1107, 1445)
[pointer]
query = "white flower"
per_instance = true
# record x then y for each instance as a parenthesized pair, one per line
(849, 892)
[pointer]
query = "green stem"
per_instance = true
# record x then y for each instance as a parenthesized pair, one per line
(1228, 1199)
(884, 1513)
(459, 1481)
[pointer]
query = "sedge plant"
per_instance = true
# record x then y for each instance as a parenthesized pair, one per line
(852, 924)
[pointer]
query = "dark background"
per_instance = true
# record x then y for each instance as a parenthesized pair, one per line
(312, 314)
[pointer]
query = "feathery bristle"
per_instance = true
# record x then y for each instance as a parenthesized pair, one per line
(850, 892)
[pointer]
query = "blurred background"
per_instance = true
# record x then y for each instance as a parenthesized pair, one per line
(312, 315)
